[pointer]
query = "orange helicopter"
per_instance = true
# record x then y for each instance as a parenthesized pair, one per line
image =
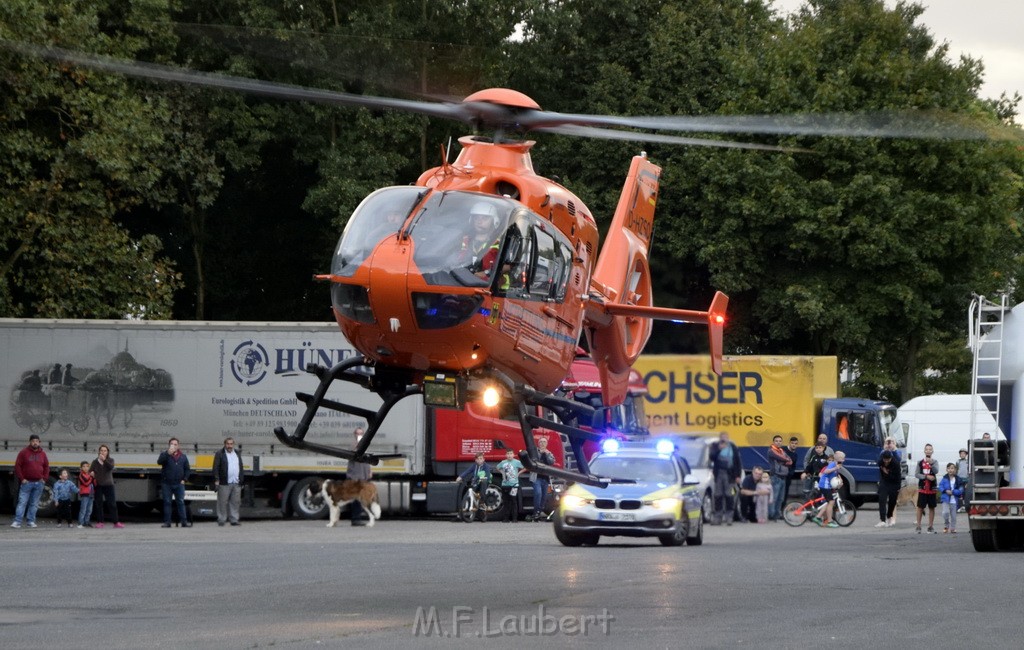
(478, 281)
(481, 277)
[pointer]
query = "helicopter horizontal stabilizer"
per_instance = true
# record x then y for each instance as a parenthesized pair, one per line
(714, 317)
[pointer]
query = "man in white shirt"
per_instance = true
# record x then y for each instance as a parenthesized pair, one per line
(227, 478)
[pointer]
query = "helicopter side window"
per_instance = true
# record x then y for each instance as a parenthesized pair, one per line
(535, 263)
(553, 264)
(546, 267)
(514, 273)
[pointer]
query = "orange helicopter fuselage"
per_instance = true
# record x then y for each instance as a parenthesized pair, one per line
(524, 320)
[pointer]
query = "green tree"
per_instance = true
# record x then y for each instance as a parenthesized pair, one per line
(77, 150)
(867, 249)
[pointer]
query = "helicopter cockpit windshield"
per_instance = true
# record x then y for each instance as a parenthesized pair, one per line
(473, 240)
(379, 216)
(457, 237)
(460, 239)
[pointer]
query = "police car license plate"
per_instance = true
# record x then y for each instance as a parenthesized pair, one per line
(616, 516)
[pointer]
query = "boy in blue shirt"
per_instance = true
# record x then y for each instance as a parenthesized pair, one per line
(951, 488)
(510, 469)
(62, 491)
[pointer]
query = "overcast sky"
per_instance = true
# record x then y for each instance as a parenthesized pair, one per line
(990, 30)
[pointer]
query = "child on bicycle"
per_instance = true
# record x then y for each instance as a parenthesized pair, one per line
(830, 472)
(817, 460)
(477, 477)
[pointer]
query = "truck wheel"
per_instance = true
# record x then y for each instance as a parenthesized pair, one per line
(137, 508)
(844, 493)
(984, 540)
(1006, 536)
(47, 506)
(305, 506)
(494, 503)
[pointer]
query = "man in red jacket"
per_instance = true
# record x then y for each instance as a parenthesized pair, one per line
(31, 468)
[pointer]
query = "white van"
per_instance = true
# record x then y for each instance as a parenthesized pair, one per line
(944, 422)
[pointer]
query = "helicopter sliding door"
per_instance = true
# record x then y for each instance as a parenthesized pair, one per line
(534, 265)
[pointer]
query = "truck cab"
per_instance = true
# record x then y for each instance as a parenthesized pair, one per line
(859, 427)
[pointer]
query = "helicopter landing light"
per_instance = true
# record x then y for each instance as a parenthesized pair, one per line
(491, 397)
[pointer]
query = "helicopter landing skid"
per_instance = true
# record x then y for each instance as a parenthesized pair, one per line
(344, 371)
(568, 411)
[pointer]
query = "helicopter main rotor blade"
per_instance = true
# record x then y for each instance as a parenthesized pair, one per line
(487, 114)
(158, 72)
(658, 138)
(880, 124)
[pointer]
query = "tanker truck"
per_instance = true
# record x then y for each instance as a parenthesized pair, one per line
(134, 384)
(996, 339)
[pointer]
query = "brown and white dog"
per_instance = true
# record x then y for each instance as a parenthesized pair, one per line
(341, 493)
(907, 497)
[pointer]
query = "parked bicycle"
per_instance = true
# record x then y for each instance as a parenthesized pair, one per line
(843, 510)
(470, 502)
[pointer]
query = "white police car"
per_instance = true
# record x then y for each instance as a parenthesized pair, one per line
(649, 496)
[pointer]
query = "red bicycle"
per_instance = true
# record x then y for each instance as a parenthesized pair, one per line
(843, 510)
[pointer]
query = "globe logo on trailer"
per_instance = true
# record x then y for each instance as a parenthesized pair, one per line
(249, 363)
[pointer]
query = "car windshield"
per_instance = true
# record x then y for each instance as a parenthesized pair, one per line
(694, 452)
(642, 470)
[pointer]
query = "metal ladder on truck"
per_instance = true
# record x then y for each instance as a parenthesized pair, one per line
(986, 342)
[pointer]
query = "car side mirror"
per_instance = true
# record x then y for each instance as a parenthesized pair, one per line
(691, 480)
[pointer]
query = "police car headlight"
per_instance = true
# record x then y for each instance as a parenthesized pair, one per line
(573, 501)
(663, 504)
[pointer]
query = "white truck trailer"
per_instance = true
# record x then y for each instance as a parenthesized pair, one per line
(134, 384)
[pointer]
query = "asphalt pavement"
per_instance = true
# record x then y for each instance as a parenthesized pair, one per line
(437, 583)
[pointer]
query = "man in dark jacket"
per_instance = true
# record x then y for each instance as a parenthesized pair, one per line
(727, 469)
(794, 469)
(174, 472)
(890, 479)
(227, 479)
(31, 469)
(779, 463)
